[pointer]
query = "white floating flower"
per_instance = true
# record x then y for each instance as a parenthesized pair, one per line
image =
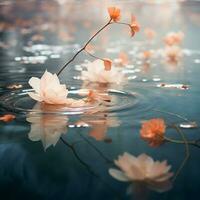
(142, 168)
(48, 89)
(97, 72)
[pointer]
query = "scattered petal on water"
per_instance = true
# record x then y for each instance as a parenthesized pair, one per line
(188, 125)
(156, 79)
(14, 86)
(174, 86)
(7, 117)
(132, 77)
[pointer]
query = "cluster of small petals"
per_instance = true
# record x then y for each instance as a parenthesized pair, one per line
(7, 117)
(115, 13)
(153, 131)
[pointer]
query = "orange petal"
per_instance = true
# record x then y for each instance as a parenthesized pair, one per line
(114, 13)
(7, 118)
(107, 64)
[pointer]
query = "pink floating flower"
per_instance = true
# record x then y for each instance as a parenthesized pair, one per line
(142, 168)
(173, 38)
(48, 89)
(96, 72)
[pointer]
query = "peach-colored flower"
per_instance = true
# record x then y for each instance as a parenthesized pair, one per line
(114, 13)
(142, 168)
(172, 53)
(48, 89)
(153, 131)
(149, 33)
(95, 72)
(174, 38)
(135, 27)
(7, 117)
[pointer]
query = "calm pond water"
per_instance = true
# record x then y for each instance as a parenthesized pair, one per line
(65, 156)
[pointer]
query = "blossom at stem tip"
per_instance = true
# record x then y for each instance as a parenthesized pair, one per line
(115, 13)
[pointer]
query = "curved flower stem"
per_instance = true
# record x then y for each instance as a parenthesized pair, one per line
(123, 23)
(173, 114)
(83, 48)
(96, 149)
(92, 55)
(187, 152)
(88, 167)
(192, 142)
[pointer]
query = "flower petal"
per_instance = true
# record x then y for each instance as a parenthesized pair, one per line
(34, 82)
(117, 174)
(35, 96)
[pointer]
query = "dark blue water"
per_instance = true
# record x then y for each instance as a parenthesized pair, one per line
(51, 156)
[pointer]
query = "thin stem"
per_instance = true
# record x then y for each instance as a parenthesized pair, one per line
(87, 166)
(187, 152)
(123, 23)
(92, 55)
(193, 142)
(173, 114)
(96, 149)
(83, 48)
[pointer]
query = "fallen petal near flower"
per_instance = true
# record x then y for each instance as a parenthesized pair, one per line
(7, 118)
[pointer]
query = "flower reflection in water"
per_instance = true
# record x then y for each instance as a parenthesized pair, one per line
(101, 121)
(143, 169)
(99, 125)
(46, 127)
